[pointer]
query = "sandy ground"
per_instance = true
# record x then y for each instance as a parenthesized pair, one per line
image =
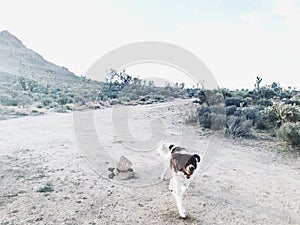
(247, 183)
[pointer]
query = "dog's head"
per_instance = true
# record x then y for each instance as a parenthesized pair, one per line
(191, 166)
(185, 163)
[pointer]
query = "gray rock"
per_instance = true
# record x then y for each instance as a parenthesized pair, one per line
(124, 176)
(42, 188)
(124, 164)
(111, 175)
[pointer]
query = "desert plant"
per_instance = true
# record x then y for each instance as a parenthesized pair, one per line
(191, 116)
(230, 110)
(238, 127)
(238, 102)
(213, 117)
(218, 121)
(264, 102)
(279, 113)
(64, 100)
(290, 132)
(46, 101)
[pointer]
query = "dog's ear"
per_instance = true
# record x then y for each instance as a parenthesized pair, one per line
(197, 157)
(171, 146)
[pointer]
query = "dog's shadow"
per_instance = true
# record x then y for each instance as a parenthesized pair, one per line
(172, 217)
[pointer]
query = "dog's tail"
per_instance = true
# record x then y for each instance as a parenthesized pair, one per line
(164, 150)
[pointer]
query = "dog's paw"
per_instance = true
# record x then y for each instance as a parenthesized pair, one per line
(183, 215)
(162, 178)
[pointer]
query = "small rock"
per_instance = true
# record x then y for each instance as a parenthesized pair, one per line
(111, 175)
(42, 188)
(124, 164)
(14, 211)
(125, 175)
(111, 169)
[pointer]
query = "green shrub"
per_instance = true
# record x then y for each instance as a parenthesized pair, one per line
(218, 121)
(230, 110)
(264, 102)
(61, 109)
(280, 113)
(238, 102)
(238, 127)
(191, 116)
(213, 117)
(290, 132)
(65, 100)
(8, 100)
(205, 119)
(46, 101)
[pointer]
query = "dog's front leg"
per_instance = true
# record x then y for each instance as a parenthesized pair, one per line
(178, 196)
(185, 186)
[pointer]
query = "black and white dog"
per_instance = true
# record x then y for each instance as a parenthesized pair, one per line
(183, 166)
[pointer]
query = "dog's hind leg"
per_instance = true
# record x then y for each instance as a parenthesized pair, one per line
(162, 176)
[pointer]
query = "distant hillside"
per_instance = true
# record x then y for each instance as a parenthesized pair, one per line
(30, 85)
(17, 59)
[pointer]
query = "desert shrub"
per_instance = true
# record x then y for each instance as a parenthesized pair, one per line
(191, 116)
(230, 110)
(218, 121)
(293, 102)
(35, 111)
(279, 113)
(115, 102)
(264, 102)
(218, 109)
(8, 100)
(238, 127)
(211, 109)
(290, 132)
(129, 97)
(255, 114)
(249, 100)
(159, 98)
(213, 117)
(262, 122)
(65, 100)
(239, 102)
(215, 99)
(250, 113)
(243, 93)
(61, 109)
(205, 119)
(46, 101)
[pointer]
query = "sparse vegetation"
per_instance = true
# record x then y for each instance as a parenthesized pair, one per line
(268, 108)
(290, 132)
(238, 113)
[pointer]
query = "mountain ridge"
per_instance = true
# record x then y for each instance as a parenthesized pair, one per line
(15, 56)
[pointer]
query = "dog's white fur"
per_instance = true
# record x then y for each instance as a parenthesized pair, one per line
(178, 183)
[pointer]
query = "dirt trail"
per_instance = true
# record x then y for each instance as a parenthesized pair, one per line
(246, 184)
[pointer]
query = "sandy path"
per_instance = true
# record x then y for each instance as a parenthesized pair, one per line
(246, 184)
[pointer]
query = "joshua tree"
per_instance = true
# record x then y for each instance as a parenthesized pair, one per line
(257, 82)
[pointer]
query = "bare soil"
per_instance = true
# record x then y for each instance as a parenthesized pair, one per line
(249, 182)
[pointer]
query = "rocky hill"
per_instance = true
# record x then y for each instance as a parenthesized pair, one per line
(17, 59)
(29, 84)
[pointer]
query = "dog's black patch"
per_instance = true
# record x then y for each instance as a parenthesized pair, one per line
(180, 162)
(197, 157)
(171, 146)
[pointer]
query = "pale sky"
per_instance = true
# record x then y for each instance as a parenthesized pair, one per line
(237, 39)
